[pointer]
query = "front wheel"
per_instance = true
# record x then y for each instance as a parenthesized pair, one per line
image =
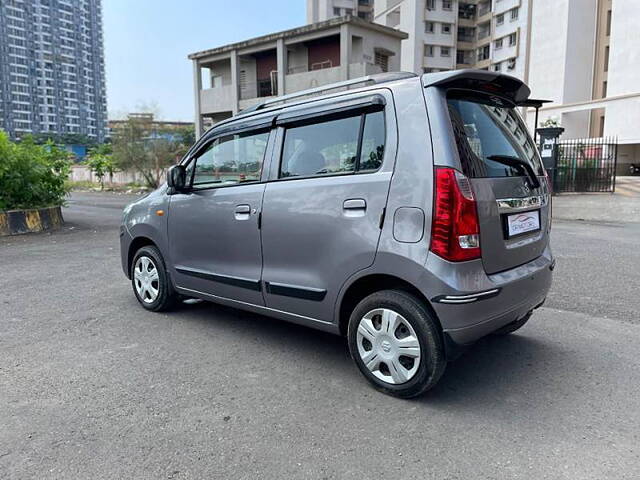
(396, 343)
(150, 280)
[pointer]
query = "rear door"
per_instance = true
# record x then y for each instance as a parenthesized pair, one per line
(513, 209)
(324, 202)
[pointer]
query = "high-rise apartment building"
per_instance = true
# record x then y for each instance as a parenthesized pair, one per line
(450, 34)
(321, 10)
(52, 68)
(584, 57)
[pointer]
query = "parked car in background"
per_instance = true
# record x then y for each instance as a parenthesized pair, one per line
(408, 213)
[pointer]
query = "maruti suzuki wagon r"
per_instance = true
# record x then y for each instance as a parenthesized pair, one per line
(409, 213)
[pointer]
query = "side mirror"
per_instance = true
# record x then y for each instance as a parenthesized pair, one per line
(177, 178)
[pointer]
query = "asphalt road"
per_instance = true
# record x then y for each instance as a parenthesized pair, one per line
(92, 386)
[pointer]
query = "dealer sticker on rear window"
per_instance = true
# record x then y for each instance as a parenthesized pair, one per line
(524, 222)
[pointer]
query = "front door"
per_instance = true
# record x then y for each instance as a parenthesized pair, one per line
(214, 236)
(321, 215)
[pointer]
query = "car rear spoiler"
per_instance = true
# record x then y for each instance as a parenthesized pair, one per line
(506, 87)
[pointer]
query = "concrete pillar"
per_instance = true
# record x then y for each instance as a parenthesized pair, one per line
(235, 81)
(197, 87)
(345, 50)
(281, 54)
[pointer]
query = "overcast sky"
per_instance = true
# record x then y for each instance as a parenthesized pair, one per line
(147, 43)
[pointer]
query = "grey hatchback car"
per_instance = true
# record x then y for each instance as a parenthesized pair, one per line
(410, 214)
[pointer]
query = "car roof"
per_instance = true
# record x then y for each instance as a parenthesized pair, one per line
(504, 85)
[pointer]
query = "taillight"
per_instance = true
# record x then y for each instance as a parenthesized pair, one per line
(455, 233)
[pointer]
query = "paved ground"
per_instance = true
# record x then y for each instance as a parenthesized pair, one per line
(92, 386)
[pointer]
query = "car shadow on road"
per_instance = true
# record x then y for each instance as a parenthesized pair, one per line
(494, 370)
(502, 372)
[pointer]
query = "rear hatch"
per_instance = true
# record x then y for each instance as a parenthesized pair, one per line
(503, 165)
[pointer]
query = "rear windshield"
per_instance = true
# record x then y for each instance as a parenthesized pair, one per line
(483, 129)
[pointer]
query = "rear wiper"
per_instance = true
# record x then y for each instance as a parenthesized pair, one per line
(519, 164)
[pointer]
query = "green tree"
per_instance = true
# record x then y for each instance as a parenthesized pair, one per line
(31, 175)
(187, 135)
(139, 147)
(63, 139)
(100, 161)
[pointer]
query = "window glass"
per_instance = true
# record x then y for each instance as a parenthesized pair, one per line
(372, 142)
(322, 148)
(231, 159)
(483, 130)
(331, 147)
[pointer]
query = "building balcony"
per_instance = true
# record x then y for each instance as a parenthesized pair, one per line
(483, 9)
(295, 82)
(221, 98)
(466, 37)
(217, 99)
(483, 64)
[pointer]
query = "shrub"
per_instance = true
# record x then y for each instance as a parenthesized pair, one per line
(101, 163)
(32, 176)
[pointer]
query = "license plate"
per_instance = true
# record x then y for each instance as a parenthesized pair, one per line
(524, 222)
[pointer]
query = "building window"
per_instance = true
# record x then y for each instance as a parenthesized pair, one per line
(428, 50)
(514, 13)
(445, 51)
(497, 67)
(431, 4)
(348, 11)
(445, 28)
(216, 81)
(498, 44)
(606, 58)
(446, 4)
(429, 27)
(604, 89)
(512, 39)
(500, 19)
(601, 129)
(336, 12)
(608, 23)
(382, 61)
(483, 53)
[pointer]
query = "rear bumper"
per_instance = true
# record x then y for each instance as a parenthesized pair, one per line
(495, 300)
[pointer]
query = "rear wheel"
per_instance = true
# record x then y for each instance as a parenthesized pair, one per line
(150, 280)
(513, 326)
(396, 343)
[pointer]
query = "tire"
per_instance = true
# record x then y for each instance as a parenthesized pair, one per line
(513, 326)
(403, 376)
(149, 258)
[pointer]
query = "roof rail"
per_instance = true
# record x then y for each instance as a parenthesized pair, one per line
(373, 79)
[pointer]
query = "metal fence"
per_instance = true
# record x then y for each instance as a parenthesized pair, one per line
(586, 165)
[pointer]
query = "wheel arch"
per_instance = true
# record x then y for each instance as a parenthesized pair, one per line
(375, 282)
(136, 244)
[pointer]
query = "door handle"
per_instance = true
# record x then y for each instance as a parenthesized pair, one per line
(242, 212)
(355, 204)
(354, 207)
